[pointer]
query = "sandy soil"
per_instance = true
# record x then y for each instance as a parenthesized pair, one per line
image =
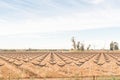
(58, 64)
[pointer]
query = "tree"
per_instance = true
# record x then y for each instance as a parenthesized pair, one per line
(116, 46)
(74, 43)
(112, 46)
(78, 45)
(88, 47)
(82, 47)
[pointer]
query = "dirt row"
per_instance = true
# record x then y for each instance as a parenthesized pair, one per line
(58, 64)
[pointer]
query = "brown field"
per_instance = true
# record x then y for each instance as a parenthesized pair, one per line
(53, 65)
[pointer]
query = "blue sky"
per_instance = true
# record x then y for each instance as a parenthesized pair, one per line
(52, 23)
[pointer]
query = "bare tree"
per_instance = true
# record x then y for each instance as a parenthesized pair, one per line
(78, 45)
(88, 47)
(116, 46)
(82, 47)
(112, 46)
(74, 43)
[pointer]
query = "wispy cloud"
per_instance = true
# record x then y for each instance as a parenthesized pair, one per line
(72, 21)
(94, 1)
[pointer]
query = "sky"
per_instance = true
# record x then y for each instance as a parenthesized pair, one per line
(50, 24)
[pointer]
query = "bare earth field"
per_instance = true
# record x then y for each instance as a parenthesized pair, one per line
(35, 65)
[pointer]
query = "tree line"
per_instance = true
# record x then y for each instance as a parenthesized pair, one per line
(81, 46)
